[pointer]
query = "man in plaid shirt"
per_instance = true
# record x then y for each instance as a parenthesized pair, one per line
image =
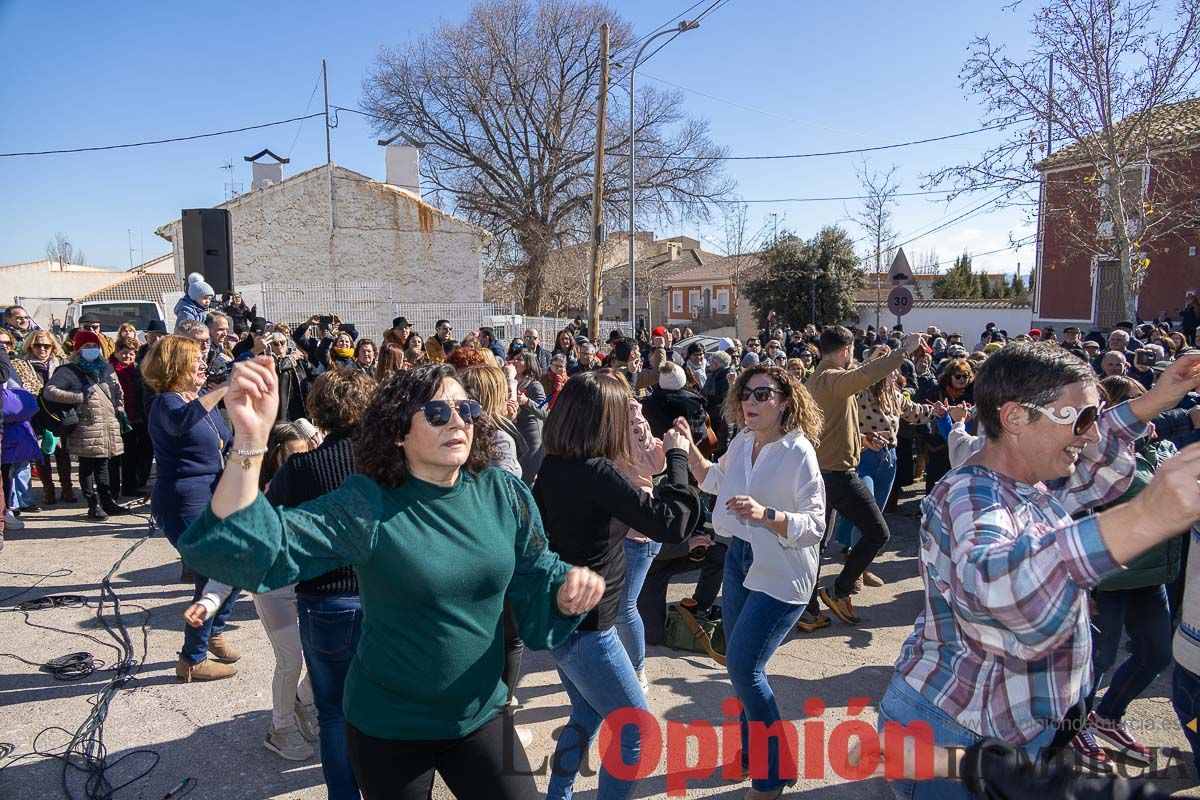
(1003, 646)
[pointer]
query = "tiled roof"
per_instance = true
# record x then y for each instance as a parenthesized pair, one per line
(1175, 124)
(147, 286)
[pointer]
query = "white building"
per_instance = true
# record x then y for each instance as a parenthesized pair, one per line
(332, 226)
(45, 288)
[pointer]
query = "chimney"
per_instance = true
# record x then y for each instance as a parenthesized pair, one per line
(265, 173)
(404, 167)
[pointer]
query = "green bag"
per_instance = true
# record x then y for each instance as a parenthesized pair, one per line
(685, 632)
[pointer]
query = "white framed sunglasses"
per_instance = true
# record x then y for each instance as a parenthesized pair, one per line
(1079, 418)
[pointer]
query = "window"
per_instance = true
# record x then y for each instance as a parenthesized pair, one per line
(677, 301)
(694, 300)
(1135, 180)
(722, 301)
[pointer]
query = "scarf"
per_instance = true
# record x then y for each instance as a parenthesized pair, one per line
(952, 393)
(91, 367)
(344, 352)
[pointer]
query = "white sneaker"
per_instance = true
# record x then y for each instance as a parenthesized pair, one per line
(288, 743)
(12, 522)
(641, 676)
(306, 721)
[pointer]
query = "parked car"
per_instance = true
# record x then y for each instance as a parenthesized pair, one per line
(711, 345)
(113, 313)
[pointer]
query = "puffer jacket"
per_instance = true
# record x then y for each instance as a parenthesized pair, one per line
(98, 399)
(19, 443)
(187, 308)
(1160, 564)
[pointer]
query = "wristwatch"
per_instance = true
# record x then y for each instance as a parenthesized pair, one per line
(770, 512)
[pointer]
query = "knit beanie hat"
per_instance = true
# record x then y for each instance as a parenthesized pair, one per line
(83, 338)
(671, 376)
(725, 344)
(197, 288)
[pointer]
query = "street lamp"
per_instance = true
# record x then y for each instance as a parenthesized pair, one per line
(683, 27)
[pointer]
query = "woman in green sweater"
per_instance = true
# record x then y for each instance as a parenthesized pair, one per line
(438, 542)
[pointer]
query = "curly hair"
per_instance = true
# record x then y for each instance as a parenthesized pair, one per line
(800, 413)
(464, 357)
(953, 366)
(398, 401)
(338, 399)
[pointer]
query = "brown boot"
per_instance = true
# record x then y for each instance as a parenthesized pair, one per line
(871, 579)
(222, 650)
(206, 670)
(49, 497)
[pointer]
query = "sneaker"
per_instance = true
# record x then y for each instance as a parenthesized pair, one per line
(1089, 753)
(34, 509)
(12, 522)
(842, 607)
(306, 721)
(288, 743)
(641, 676)
(1119, 735)
(813, 622)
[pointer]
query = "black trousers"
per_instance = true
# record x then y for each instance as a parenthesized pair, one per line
(846, 494)
(489, 764)
(93, 476)
(514, 648)
(652, 600)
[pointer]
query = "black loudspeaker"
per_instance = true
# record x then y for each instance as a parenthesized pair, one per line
(208, 246)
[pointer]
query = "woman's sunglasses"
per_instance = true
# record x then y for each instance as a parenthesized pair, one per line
(760, 393)
(439, 412)
(1080, 418)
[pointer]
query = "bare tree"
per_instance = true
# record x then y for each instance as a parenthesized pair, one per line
(1118, 82)
(741, 248)
(505, 104)
(60, 250)
(879, 190)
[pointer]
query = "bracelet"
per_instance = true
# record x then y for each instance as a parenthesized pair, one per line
(248, 456)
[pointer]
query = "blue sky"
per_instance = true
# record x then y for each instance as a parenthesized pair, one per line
(828, 75)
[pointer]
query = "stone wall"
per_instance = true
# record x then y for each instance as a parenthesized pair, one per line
(281, 235)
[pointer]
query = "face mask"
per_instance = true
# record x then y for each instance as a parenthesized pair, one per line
(90, 353)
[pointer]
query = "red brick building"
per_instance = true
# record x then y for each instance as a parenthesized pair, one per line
(1074, 285)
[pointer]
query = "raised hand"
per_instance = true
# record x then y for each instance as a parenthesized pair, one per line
(1172, 498)
(1177, 380)
(253, 401)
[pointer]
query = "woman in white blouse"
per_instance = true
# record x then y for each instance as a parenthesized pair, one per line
(771, 503)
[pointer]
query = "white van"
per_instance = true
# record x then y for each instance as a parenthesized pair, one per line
(114, 312)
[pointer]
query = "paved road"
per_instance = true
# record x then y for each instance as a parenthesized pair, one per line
(212, 732)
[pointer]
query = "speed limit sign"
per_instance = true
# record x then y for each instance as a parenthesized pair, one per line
(900, 301)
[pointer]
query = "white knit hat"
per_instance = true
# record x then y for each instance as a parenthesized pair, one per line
(671, 376)
(197, 288)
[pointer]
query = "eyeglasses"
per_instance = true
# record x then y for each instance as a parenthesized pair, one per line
(761, 394)
(439, 412)
(41, 344)
(1080, 418)
(962, 375)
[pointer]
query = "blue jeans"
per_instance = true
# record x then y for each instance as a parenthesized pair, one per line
(1185, 697)
(599, 679)
(755, 625)
(195, 640)
(638, 557)
(22, 482)
(1144, 613)
(329, 632)
(903, 704)
(878, 471)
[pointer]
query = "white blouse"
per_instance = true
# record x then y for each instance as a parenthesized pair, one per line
(786, 478)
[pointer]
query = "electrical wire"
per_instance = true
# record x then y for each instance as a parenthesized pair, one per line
(159, 141)
(307, 106)
(85, 752)
(58, 573)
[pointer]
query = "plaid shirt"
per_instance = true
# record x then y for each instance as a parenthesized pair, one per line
(1003, 644)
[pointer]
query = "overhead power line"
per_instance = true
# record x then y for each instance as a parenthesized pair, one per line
(725, 158)
(159, 141)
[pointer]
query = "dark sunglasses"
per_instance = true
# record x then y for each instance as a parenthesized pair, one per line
(760, 393)
(439, 412)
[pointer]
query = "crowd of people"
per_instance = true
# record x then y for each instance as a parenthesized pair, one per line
(416, 501)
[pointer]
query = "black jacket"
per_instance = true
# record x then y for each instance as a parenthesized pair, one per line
(663, 406)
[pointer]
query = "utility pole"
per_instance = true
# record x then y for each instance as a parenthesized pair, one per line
(129, 241)
(598, 185)
(328, 155)
(1050, 109)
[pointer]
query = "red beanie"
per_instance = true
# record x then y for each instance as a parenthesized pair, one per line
(661, 330)
(82, 338)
